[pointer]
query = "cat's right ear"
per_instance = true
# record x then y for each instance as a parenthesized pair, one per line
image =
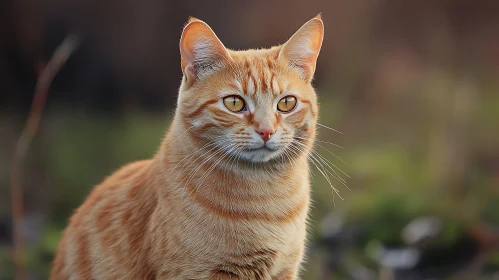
(201, 50)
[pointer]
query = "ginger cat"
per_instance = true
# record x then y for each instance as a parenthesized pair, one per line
(227, 195)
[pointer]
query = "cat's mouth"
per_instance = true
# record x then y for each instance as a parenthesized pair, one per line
(262, 148)
(259, 154)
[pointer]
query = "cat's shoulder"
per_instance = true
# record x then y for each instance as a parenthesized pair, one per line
(130, 172)
(134, 173)
(126, 179)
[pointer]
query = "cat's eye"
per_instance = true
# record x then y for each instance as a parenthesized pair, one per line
(287, 104)
(235, 103)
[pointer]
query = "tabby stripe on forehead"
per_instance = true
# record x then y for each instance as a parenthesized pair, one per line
(244, 85)
(271, 85)
(263, 82)
(253, 82)
(200, 108)
(270, 63)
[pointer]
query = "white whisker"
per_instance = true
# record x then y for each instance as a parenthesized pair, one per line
(206, 173)
(192, 154)
(339, 169)
(331, 153)
(316, 140)
(188, 164)
(192, 174)
(234, 158)
(179, 136)
(325, 126)
(317, 163)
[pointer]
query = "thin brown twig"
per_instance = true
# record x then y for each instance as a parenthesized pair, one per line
(58, 59)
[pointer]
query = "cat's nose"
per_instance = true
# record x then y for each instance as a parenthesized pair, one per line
(265, 133)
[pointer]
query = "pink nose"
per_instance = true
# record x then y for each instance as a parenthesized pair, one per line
(265, 133)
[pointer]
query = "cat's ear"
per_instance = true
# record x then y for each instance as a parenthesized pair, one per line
(302, 49)
(201, 50)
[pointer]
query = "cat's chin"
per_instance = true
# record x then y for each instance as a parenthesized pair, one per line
(260, 155)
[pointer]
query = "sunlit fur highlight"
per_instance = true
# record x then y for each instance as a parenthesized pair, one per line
(211, 204)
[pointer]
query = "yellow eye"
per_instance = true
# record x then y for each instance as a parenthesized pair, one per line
(234, 103)
(286, 104)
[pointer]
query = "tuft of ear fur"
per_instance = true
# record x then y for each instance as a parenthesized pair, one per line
(302, 49)
(192, 19)
(201, 50)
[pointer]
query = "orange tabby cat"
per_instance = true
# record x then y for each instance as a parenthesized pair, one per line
(227, 194)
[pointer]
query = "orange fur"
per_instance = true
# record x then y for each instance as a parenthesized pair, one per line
(209, 205)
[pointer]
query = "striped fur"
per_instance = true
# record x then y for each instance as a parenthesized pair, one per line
(209, 205)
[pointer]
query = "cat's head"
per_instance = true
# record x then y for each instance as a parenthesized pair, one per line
(258, 105)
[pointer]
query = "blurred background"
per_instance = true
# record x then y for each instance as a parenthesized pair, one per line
(413, 85)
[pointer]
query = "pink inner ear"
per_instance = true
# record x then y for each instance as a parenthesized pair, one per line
(187, 43)
(316, 41)
(303, 48)
(189, 72)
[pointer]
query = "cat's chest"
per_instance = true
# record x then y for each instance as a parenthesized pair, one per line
(239, 218)
(247, 248)
(241, 228)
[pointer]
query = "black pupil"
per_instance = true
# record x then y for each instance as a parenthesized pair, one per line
(234, 101)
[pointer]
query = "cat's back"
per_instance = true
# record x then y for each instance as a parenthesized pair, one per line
(106, 234)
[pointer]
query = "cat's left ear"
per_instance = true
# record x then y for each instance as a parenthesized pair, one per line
(302, 49)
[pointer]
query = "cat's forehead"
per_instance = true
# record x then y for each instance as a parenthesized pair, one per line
(255, 55)
(255, 60)
(258, 72)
